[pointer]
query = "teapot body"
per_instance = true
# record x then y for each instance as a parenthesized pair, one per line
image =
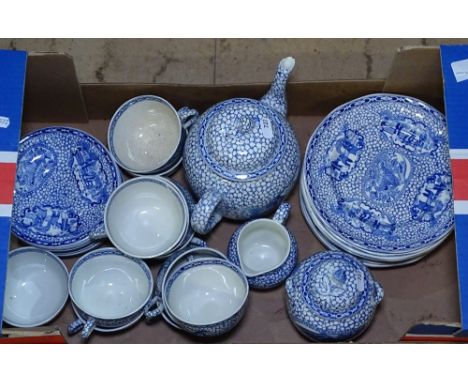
(250, 157)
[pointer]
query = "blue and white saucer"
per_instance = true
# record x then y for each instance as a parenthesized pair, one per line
(64, 179)
(376, 178)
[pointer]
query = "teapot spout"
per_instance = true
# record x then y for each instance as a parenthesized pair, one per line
(276, 96)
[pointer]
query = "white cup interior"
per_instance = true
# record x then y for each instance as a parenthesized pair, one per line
(263, 245)
(206, 294)
(36, 288)
(145, 219)
(110, 286)
(146, 135)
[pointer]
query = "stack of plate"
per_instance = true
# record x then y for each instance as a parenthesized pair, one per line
(376, 180)
(63, 181)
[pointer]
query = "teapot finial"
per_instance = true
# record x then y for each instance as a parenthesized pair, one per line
(276, 96)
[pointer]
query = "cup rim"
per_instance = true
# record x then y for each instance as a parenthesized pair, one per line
(21, 250)
(151, 179)
(115, 118)
(195, 263)
(106, 251)
(269, 221)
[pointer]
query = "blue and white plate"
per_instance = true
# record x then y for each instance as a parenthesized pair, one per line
(63, 181)
(377, 178)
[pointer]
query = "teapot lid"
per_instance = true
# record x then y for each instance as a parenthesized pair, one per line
(335, 284)
(241, 138)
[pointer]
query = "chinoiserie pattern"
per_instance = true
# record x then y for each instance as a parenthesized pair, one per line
(376, 173)
(64, 180)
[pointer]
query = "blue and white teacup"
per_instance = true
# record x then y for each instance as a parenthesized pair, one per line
(204, 296)
(265, 250)
(146, 135)
(108, 289)
(148, 217)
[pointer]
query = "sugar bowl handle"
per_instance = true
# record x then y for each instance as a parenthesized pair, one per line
(378, 293)
(187, 117)
(205, 217)
(154, 308)
(282, 213)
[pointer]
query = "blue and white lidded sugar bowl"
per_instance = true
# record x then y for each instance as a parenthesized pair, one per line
(242, 157)
(332, 296)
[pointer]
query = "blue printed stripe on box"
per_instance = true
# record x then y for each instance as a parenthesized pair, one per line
(12, 80)
(455, 74)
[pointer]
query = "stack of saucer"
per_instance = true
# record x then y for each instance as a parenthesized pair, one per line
(376, 180)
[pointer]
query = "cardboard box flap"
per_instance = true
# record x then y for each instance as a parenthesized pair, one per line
(416, 72)
(53, 93)
(310, 98)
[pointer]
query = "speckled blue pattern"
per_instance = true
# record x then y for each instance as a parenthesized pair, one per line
(332, 296)
(64, 179)
(270, 279)
(241, 158)
(377, 174)
(218, 328)
(275, 277)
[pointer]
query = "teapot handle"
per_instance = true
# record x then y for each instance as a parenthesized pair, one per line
(187, 117)
(282, 213)
(205, 217)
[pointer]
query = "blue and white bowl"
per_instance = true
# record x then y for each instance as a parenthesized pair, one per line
(265, 250)
(376, 178)
(331, 296)
(63, 182)
(146, 135)
(108, 290)
(178, 258)
(205, 296)
(148, 217)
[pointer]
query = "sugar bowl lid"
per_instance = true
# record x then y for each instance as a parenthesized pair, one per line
(334, 284)
(241, 138)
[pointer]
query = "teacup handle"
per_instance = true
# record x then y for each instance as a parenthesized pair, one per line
(75, 327)
(150, 313)
(187, 116)
(88, 329)
(99, 234)
(205, 217)
(282, 213)
(198, 242)
(85, 327)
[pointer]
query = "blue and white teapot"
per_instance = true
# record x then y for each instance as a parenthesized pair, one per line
(241, 157)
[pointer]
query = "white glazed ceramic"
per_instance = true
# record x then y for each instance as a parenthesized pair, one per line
(109, 290)
(36, 287)
(265, 250)
(206, 296)
(147, 217)
(202, 293)
(146, 135)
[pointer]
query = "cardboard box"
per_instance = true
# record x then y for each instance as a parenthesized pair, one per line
(12, 78)
(424, 291)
